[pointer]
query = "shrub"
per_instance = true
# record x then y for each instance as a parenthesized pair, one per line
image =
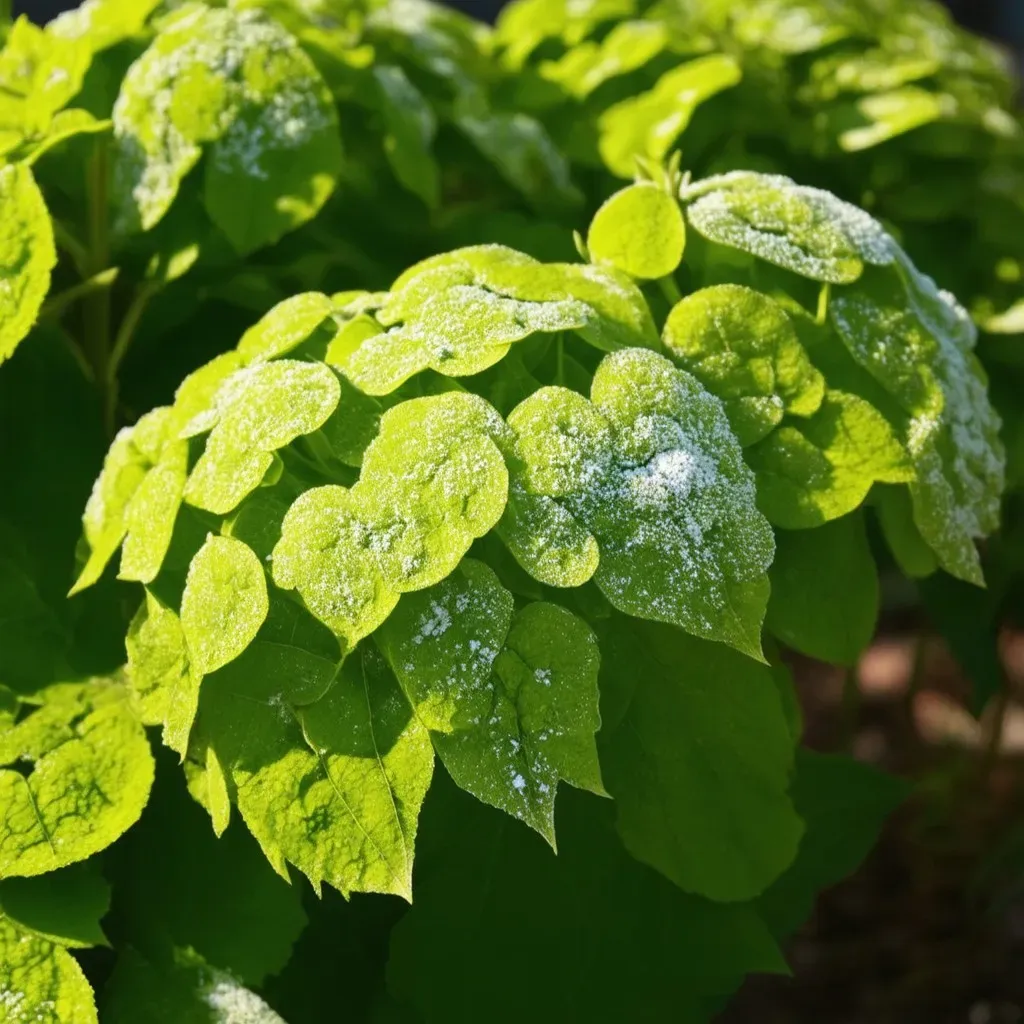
(542, 520)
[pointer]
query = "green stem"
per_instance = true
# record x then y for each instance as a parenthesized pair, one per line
(823, 296)
(56, 305)
(670, 289)
(72, 246)
(126, 332)
(97, 305)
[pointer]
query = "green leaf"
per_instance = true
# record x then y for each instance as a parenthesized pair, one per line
(151, 513)
(510, 698)
(524, 154)
(285, 327)
(182, 990)
(815, 470)
(64, 907)
(699, 762)
(640, 231)
(802, 229)
(896, 517)
(790, 27)
(742, 346)
(627, 47)
(651, 471)
(124, 499)
(844, 804)
(179, 885)
(40, 981)
(329, 774)
(825, 594)
(885, 115)
(432, 482)
(239, 84)
(27, 255)
(640, 949)
(39, 73)
(102, 24)
(459, 313)
(647, 126)
(224, 603)
(165, 687)
(257, 410)
(410, 126)
(78, 772)
(915, 341)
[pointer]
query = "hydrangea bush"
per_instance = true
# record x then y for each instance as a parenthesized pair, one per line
(466, 587)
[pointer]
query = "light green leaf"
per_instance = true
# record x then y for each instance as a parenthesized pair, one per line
(151, 514)
(432, 482)
(627, 47)
(524, 154)
(124, 500)
(650, 469)
(461, 330)
(40, 981)
(640, 231)
(915, 341)
(256, 411)
(241, 85)
(285, 327)
(103, 23)
(510, 698)
(410, 126)
(814, 470)
(64, 907)
(792, 26)
(162, 680)
(323, 554)
(39, 73)
(459, 313)
(224, 603)
(889, 114)
(27, 255)
(825, 594)
(648, 125)
(91, 770)
(66, 124)
(699, 763)
(742, 346)
(803, 229)
(185, 990)
(332, 781)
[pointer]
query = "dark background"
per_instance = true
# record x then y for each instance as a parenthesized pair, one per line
(1001, 19)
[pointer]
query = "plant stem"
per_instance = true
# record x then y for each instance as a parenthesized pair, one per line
(56, 306)
(823, 296)
(126, 332)
(72, 246)
(97, 304)
(670, 289)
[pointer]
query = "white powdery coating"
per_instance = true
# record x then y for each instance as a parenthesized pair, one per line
(154, 154)
(713, 214)
(234, 1004)
(666, 494)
